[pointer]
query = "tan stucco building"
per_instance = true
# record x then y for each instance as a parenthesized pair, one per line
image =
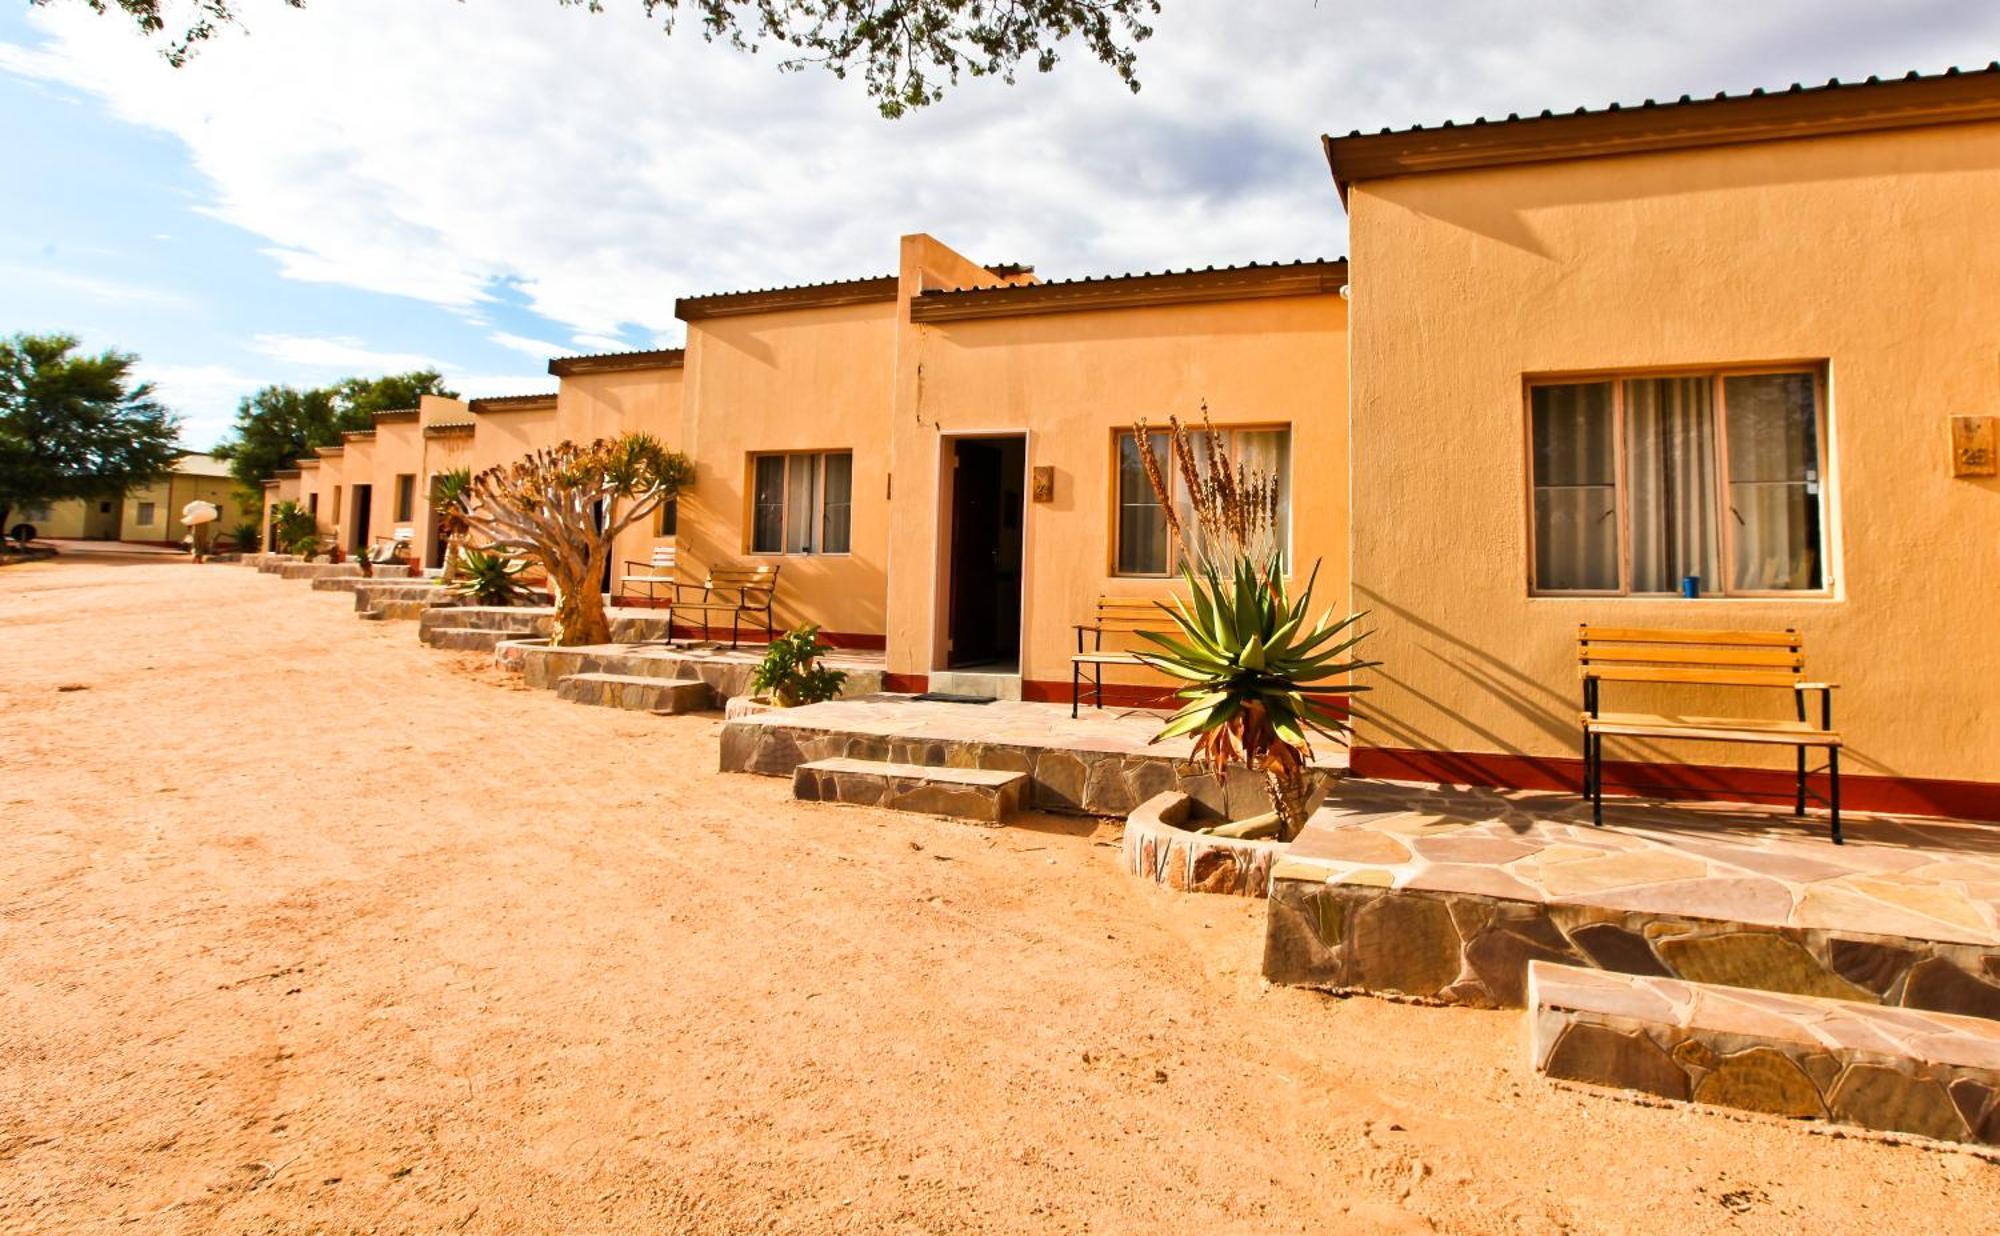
(1584, 364)
(151, 513)
(1595, 354)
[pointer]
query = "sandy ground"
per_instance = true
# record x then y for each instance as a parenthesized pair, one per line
(306, 927)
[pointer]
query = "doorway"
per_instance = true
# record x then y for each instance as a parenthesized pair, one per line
(362, 501)
(988, 488)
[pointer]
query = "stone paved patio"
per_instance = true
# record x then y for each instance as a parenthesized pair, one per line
(1102, 763)
(1448, 894)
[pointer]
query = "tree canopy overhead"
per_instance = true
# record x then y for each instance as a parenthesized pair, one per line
(75, 426)
(906, 51)
(277, 426)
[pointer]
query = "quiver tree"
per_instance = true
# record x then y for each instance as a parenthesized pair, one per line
(563, 507)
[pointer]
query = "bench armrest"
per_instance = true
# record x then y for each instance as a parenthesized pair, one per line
(1815, 686)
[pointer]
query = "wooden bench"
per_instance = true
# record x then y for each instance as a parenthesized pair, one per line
(651, 575)
(1117, 616)
(1767, 659)
(736, 591)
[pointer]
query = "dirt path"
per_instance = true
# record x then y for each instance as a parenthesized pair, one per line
(303, 926)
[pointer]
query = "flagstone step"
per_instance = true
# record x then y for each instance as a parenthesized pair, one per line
(464, 639)
(635, 692)
(986, 794)
(1893, 1070)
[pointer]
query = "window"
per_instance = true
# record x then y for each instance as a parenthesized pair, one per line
(104, 508)
(1143, 545)
(1641, 482)
(144, 518)
(667, 520)
(802, 503)
(406, 497)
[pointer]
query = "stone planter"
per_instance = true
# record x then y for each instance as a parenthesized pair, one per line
(1159, 846)
(747, 706)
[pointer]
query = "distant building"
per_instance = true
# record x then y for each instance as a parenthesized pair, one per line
(149, 514)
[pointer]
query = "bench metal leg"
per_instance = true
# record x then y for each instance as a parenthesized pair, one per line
(1799, 808)
(1075, 687)
(1833, 790)
(1597, 780)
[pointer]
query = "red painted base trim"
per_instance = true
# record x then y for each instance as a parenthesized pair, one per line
(906, 684)
(1965, 800)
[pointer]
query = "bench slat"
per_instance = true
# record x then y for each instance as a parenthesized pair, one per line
(1690, 675)
(1721, 729)
(1587, 633)
(1671, 654)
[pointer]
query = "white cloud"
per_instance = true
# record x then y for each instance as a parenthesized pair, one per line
(338, 352)
(203, 396)
(71, 283)
(541, 348)
(595, 169)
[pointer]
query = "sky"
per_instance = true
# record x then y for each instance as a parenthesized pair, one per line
(476, 186)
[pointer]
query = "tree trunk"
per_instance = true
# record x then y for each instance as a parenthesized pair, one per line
(450, 563)
(1288, 798)
(580, 617)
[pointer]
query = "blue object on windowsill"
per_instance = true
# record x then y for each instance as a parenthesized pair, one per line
(1691, 586)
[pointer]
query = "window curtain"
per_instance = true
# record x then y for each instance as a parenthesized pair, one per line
(801, 503)
(1142, 524)
(1774, 482)
(1670, 467)
(837, 521)
(1575, 477)
(768, 523)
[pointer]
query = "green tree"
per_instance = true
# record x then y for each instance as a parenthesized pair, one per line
(358, 399)
(905, 51)
(75, 426)
(277, 426)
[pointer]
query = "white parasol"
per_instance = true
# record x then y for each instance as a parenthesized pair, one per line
(199, 512)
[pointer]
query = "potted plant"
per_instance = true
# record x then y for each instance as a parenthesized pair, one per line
(790, 674)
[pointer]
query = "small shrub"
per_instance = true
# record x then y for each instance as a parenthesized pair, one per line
(489, 578)
(246, 538)
(791, 673)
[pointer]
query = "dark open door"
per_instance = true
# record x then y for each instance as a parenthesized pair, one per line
(364, 500)
(988, 482)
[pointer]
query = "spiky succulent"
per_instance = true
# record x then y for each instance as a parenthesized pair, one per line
(1248, 656)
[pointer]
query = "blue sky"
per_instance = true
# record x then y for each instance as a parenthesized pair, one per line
(372, 185)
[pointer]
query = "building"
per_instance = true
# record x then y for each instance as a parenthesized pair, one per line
(151, 513)
(1594, 354)
(1584, 364)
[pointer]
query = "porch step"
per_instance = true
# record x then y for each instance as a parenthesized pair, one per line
(465, 639)
(1894, 1070)
(987, 794)
(632, 691)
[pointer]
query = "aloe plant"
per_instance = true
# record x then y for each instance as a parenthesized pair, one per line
(1249, 655)
(488, 578)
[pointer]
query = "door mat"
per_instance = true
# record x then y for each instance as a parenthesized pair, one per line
(948, 697)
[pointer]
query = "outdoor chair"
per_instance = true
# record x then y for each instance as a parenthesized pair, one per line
(1766, 659)
(740, 592)
(657, 573)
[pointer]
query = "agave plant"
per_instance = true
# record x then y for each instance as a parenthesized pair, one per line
(1250, 655)
(489, 578)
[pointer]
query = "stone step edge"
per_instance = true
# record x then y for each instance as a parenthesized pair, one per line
(990, 778)
(631, 680)
(1884, 1068)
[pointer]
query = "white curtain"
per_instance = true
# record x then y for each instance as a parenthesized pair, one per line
(1774, 482)
(1575, 488)
(837, 522)
(1670, 466)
